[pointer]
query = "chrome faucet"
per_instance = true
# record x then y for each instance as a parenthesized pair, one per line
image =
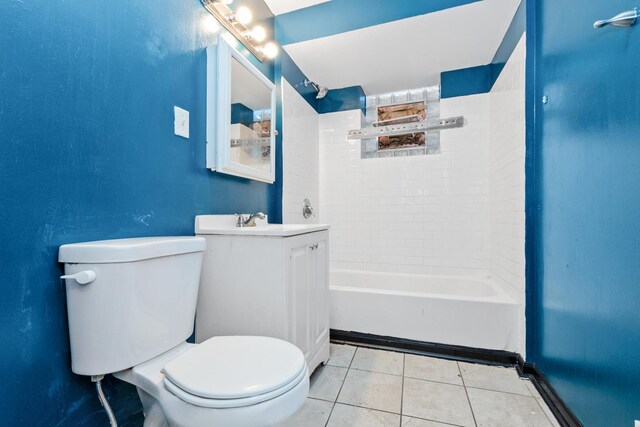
(249, 222)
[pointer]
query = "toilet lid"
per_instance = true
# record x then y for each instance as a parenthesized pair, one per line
(236, 367)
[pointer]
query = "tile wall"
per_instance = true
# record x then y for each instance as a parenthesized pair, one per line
(506, 176)
(460, 212)
(424, 214)
(300, 156)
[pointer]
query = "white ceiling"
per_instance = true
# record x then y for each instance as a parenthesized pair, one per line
(279, 7)
(408, 53)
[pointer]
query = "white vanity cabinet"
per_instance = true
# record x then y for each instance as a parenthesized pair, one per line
(270, 280)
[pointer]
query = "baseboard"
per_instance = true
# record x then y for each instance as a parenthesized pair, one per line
(444, 351)
(560, 410)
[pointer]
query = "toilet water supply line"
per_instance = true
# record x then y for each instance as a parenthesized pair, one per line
(103, 399)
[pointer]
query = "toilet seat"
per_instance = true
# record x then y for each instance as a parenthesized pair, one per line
(235, 371)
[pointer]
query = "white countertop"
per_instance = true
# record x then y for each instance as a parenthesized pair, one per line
(226, 225)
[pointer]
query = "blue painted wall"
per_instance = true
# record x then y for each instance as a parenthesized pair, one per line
(344, 99)
(87, 152)
(339, 16)
(240, 113)
(287, 68)
(467, 81)
(584, 170)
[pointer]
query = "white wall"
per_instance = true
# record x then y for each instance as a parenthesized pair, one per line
(299, 155)
(423, 214)
(507, 178)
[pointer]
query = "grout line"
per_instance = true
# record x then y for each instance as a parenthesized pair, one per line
(378, 372)
(473, 414)
(433, 381)
(404, 358)
(434, 421)
(500, 391)
(341, 385)
(368, 408)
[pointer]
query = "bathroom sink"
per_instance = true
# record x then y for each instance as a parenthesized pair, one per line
(225, 225)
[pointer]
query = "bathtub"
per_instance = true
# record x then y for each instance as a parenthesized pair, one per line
(470, 312)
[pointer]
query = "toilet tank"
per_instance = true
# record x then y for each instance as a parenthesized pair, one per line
(141, 304)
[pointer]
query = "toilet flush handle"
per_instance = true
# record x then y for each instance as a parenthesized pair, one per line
(83, 277)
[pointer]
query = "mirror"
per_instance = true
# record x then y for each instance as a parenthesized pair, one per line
(240, 107)
(250, 134)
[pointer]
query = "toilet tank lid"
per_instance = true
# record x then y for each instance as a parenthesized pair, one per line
(129, 250)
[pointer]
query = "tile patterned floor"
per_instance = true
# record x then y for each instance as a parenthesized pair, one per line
(362, 387)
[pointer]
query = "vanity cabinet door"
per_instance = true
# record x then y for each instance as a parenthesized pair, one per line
(299, 295)
(319, 293)
(308, 295)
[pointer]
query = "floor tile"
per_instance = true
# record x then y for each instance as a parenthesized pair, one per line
(326, 382)
(417, 422)
(495, 409)
(532, 389)
(385, 362)
(431, 368)
(341, 355)
(535, 393)
(548, 413)
(350, 416)
(494, 378)
(372, 390)
(314, 413)
(446, 403)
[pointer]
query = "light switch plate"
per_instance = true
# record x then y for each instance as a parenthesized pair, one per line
(637, 423)
(181, 122)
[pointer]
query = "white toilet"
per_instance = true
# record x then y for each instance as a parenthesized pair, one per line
(131, 306)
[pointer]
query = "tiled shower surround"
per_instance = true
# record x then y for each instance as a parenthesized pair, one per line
(507, 179)
(299, 155)
(459, 212)
(422, 214)
(506, 174)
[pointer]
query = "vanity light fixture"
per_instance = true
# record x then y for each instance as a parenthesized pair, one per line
(243, 15)
(269, 50)
(235, 22)
(257, 33)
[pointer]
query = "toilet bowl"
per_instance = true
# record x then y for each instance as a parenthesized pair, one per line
(131, 307)
(224, 381)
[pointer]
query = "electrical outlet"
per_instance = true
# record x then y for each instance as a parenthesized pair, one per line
(637, 423)
(181, 122)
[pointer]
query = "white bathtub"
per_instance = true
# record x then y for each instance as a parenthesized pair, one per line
(449, 310)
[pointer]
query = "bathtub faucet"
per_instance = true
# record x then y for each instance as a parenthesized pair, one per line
(251, 221)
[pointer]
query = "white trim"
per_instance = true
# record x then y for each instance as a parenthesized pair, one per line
(219, 116)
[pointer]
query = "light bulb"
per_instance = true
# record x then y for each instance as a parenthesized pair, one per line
(270, 50)
(243, 15)
(258, 33)
(210, 24)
